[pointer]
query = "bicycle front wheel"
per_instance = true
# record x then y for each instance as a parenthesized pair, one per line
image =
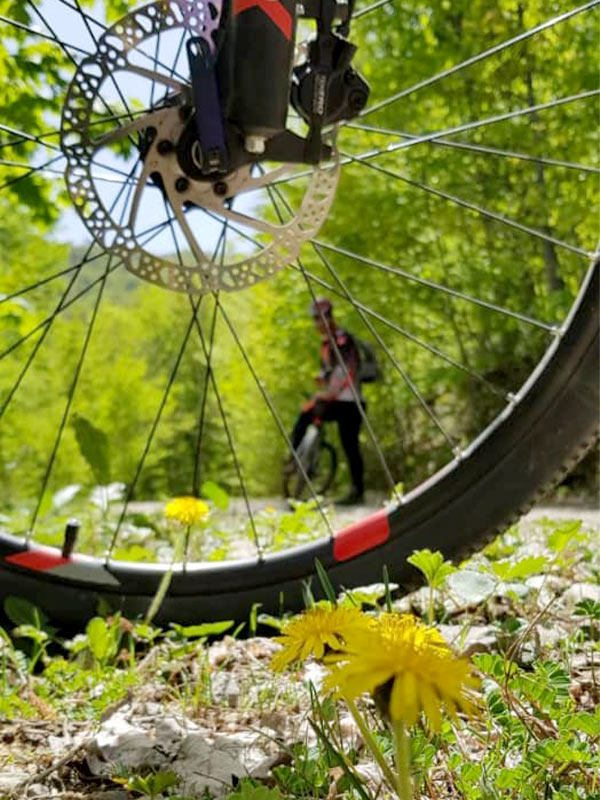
(457, 228)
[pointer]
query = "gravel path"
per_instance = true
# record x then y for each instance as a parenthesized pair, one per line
(345, 516)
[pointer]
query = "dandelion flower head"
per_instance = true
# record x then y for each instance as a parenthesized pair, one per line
(409, 666)
(186, 510)
(317, 628)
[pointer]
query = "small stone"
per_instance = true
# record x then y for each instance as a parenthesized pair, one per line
(314, 673)
(261, 647)
(225, 688)
(550, 637)
(10, 780)
(476, 638)
(371, 775)
(581, 591)
(218, 653)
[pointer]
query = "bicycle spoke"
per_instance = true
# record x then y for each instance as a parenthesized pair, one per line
(468, 126)
(438, 287)
(6, 297)
(69, 403)
(342, 363)
(230, 441)
(477, 148)
(39, 139)
(355, 394)
(50, 171)
(103, 28)
(31, 171)
(521, 37)
(234, 228)
(111, 75)
(77, 374)
(150, 439)
(484, 212)
(63, 303)
(250, 222)
(369, 9)
(362, 311)
(197, 452)
(41, 34)
(274, 413)
(157, 77)
(430, 412)
(68, 303)
(75, 380)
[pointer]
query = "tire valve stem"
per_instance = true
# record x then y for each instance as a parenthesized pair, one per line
(70, 540)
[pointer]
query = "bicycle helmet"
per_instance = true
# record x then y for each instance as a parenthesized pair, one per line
(321, 307)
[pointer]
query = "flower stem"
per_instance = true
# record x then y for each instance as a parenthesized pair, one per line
(371, 743)
(402, 742)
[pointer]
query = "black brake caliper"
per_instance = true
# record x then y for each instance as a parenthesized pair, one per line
(326, 88)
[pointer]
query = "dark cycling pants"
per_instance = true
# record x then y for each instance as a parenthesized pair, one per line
(348, 418)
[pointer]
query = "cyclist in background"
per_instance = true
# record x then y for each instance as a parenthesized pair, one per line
(339, 395)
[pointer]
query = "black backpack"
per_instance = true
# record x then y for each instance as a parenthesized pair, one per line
(369, 370)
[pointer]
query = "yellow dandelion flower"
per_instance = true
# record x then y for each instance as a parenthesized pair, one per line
(186, 510)
(317, 628)
(408, 667)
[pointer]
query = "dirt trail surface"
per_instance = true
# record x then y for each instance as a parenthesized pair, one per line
(346, 515)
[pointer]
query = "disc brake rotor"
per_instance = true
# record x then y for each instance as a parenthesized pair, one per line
(119, 58)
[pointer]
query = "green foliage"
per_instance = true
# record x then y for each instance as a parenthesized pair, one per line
(153, 785)
(248, 789)
(433, 566)
(218, 496)
(371, 595)
(21, 611)
(94, 447)
(203, 630)
(100, 641)
(325, 582)
(588, 608)
(524, 568)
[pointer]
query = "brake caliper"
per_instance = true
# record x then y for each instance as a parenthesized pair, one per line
(326, 88)
(254, 65)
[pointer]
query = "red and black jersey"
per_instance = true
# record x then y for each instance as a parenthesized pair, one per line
(339, 365)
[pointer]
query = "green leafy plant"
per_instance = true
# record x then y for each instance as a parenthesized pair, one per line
(435, 569)
(153, 785)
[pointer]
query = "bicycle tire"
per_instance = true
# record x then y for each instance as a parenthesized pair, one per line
(547, 427)
(296, 488)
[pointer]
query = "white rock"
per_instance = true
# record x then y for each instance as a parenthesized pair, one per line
(314, 673)
(10, 780)
(476, 639)
(581, 591)
(225, 687)
(371, 774)
(201, 759)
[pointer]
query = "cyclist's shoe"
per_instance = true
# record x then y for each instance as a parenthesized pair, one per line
(353, 498)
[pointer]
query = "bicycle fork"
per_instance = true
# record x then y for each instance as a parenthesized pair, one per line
(243, 82)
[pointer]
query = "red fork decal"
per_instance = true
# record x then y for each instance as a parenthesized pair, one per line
(275, 10)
